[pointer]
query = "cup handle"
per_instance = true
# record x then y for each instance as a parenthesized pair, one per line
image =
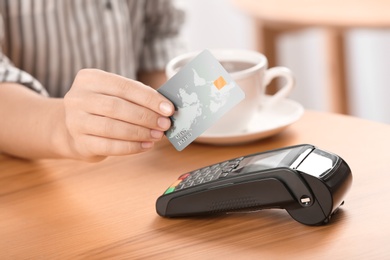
(284, 90)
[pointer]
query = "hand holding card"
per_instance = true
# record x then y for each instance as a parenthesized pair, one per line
(202, 92)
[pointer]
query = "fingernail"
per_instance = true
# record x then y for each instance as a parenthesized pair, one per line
(156, 134)
(166, 108)
(164, 123)
(147, 145)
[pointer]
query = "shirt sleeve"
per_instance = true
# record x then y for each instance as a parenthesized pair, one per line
(11, 74)
(162, 40)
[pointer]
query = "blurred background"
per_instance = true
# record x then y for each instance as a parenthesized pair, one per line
(221, 24)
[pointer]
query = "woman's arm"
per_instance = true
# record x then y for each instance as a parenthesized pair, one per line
(103, 114)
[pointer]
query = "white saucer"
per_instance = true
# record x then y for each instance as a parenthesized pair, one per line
(266, 122)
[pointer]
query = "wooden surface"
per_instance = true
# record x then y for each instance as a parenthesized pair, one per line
(275, 17)
(333, 13)
(64, 209)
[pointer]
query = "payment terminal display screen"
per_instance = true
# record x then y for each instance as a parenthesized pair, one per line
(263, 162)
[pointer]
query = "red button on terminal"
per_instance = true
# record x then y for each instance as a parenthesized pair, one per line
(184, 176)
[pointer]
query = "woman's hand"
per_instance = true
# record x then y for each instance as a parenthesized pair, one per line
(106, 114)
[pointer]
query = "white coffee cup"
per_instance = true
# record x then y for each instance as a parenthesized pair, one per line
(249, 69)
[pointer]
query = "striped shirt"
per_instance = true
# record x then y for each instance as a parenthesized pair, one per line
(44, 43)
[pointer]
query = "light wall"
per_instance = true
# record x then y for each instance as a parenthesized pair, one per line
(218, 24)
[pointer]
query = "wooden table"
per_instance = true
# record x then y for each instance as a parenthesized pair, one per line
(334, 17)
(64, 209)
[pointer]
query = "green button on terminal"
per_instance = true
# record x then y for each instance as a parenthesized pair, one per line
(169, 190)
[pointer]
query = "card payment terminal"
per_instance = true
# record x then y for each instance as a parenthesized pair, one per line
(309, 183)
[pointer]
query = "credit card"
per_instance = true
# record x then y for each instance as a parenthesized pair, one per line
(202, 92)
